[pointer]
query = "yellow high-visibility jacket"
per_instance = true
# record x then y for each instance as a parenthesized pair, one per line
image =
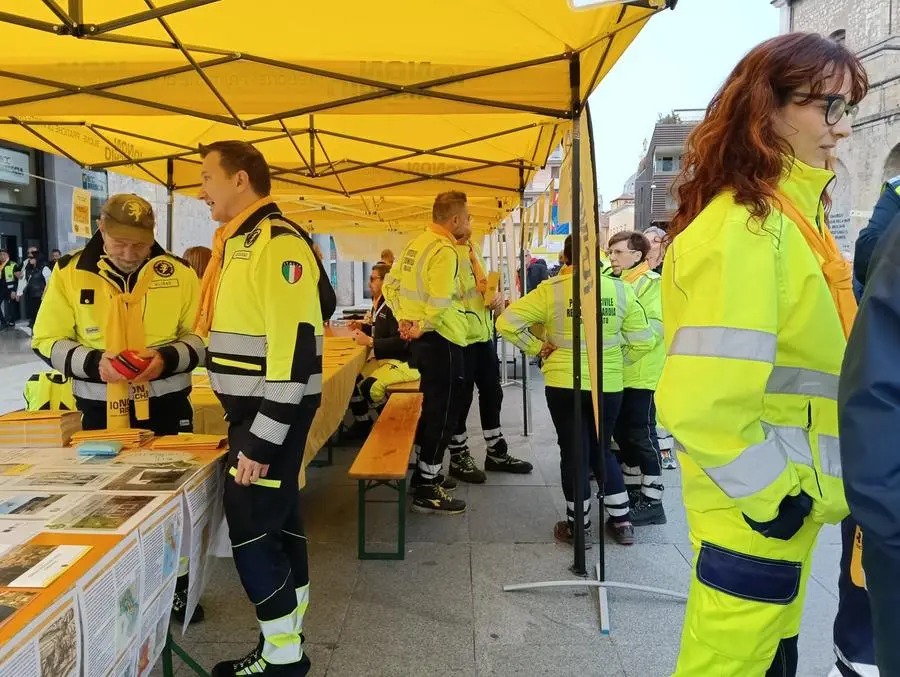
(424, 286)
(266, 338)
(754, 349)
(645, 372)
(626, 334)
(69, 333)
(479, 317)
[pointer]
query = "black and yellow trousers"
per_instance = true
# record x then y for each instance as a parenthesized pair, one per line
(265, 526)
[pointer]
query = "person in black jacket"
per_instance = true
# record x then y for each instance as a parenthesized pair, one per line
(869, 412)
(388, 361)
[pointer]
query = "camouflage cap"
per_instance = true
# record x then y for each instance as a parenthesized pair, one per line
(128, 216)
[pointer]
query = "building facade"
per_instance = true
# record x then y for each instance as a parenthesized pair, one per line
(654, 202)
(871, 28)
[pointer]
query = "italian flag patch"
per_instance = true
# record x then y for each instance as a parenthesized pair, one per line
(291, 271)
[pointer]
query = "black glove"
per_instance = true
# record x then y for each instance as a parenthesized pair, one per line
(791, 513)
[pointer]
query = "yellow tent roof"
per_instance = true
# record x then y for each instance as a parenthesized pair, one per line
(388, 99)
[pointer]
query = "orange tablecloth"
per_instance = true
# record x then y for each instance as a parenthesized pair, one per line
(342, 360)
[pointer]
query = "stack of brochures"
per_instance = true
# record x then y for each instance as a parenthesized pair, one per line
(129, 437)
(38, 429)
(193, 441)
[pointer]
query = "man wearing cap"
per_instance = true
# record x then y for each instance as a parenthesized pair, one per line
(123, 292)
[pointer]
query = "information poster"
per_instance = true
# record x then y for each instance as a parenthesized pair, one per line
(110, 610)
(50, 648)
(81, 212)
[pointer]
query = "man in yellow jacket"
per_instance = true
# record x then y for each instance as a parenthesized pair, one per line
(423, 291)
(482, 368)
(264, 297)
(124, 291)
(635, 432)
(626, 336)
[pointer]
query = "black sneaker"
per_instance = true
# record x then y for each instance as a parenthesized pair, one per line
(564, 533)
(506, 463)
(463, 468)
(447, 482)
(179, 608)
(434, 499)
(622, 532)
(648, 512)
(254, 664)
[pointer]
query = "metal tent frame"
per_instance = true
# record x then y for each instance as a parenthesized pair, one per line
(316, 176)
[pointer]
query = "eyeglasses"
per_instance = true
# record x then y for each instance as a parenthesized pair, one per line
(836, 106)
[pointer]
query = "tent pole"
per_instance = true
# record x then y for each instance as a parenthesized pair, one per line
(525, 411)
(170, 203)
(578, 567)
(76, 11)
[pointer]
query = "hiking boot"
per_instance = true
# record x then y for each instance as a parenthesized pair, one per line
(564, 533)
(179, 608)
(622, 532)
(358, 431)
(647, 512)
(506, 463)
(254, 664)
(668, 459)
(463, 468)
(447, 482)
(434, 499)
(634, 497)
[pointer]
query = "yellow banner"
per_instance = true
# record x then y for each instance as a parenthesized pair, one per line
(588, 275)
(81, 212)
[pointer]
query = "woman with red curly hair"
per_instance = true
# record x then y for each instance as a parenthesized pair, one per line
(757, 305)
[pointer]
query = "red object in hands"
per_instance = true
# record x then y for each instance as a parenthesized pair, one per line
(129, 363)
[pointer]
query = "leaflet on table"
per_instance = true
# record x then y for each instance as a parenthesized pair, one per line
(39, 505)
(32, 565)
(68, 479)
(160, 542)
(127, 665)
(107, 513)
(154, 479)
(49, 647)
(109, 603)
(15, 532)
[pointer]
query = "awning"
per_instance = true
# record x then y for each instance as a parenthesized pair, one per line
(396, 99)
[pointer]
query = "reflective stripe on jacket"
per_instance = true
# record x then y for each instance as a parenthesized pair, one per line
(69, 333)
(754, 348)
(424, 286)
(266, 339)
(626, 334)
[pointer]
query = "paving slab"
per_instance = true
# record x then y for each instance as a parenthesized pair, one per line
(550, 660)
(511, 514)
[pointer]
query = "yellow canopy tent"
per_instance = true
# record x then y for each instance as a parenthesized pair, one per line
(356, 100)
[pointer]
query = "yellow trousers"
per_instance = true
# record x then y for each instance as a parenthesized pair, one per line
(386, 373)
(746, 595)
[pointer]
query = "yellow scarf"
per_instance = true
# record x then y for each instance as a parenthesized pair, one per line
(125, 331)
(210, 283)
(443, 232)
(632, 274)
(837, 270)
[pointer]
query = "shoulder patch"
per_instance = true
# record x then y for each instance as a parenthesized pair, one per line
(251, 237)
(291, 271)
(164, 268)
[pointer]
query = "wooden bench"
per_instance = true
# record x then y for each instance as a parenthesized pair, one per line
(382, 461)
(404, 387)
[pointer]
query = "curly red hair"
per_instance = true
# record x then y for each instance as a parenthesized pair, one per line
(736, 147)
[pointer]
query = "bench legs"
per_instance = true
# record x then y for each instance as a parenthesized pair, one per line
(323, 463)
(364, 487)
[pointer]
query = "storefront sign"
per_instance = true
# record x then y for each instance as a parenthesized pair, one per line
(15, 167)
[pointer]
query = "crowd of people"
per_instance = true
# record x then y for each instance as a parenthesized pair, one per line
(745, 337)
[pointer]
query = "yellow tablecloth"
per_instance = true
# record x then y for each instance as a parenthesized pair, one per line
(342, 360)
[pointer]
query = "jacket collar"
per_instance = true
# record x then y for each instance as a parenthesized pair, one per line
(255, 214)
(805, 186)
